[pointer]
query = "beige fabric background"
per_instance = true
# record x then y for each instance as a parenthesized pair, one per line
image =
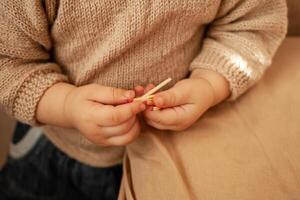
(6, 124)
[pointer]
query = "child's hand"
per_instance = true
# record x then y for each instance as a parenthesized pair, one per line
(100, 113)
(181, 105)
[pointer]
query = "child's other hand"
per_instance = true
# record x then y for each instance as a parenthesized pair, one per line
(101, 115)
(186, 101)
(181, 105)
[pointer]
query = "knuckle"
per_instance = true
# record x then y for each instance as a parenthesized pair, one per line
(113, 93)
(132, 110)
(114, 117)
(172, 98)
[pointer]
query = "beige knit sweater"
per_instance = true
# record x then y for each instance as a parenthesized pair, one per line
(125, 43)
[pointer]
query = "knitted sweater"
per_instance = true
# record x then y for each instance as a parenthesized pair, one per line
(127, 43)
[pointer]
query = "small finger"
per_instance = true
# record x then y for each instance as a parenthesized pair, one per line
(110, 131)
(115, 115)
(149, 87)
(109, 95)
(139, 90)
(170, 98)
(157, 125)
(127, 138)
(167, 116)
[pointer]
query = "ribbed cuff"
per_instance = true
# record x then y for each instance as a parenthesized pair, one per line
(30, 93)
(238, 71)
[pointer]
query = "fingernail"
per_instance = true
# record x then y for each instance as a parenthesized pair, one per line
(129, 94)
(129, 100)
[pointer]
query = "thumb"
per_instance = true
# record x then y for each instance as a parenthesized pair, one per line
(111, 95)
(170, 98)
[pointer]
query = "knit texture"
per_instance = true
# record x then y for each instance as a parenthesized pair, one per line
(128, 43)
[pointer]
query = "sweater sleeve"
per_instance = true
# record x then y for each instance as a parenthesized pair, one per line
(241, 41)
(26, 71)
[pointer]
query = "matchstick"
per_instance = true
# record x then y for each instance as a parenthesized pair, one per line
(153, 90)
(142, 98)
(149, 95)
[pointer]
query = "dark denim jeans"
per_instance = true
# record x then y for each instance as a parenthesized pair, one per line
(47, 173)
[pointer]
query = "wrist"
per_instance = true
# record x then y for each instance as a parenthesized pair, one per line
(66, 117)
(50, 109)
(218, 85)
(208, 94)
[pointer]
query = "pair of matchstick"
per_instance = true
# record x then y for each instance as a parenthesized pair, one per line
(150, 94)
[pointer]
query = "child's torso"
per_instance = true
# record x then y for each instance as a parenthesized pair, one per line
(123, 43)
